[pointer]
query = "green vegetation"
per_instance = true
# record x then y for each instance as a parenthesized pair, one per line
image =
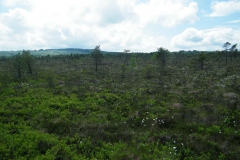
(162, 105)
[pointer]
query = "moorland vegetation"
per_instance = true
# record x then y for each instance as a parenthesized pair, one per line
(160, 105)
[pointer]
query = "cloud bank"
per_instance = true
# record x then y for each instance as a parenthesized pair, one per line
(211, 39)
(138, 25)
(115, 25)
(224, 8)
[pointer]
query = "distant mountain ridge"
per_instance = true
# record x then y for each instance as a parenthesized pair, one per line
(68, 50)
(82, 50)
(43, 52)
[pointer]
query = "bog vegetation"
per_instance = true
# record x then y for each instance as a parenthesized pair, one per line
(161, 105)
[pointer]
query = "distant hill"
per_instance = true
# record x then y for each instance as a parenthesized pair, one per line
(44, 52)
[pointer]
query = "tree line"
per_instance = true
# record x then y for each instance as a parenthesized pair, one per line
(25, 63)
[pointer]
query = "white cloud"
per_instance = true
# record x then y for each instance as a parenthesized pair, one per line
(211, 39)
(167, 13)
(11, 3)
(235, 21)
(224, 8)
(115, 25)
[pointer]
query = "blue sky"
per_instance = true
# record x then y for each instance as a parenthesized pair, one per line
(137, 25)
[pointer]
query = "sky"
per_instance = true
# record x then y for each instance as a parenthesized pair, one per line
(115, 25)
